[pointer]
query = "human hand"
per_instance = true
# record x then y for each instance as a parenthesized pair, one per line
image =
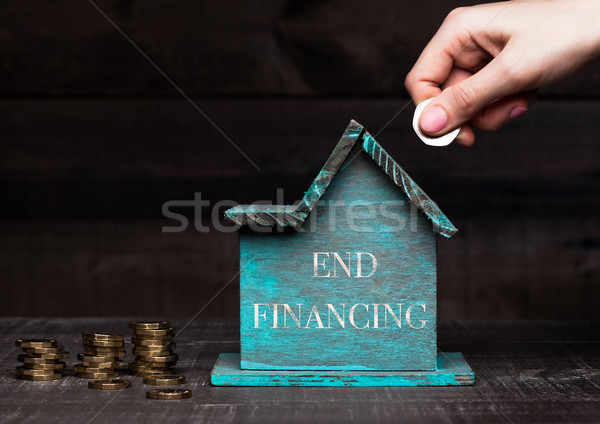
(485, 62)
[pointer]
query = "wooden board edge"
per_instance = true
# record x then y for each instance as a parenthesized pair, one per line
(453, 370)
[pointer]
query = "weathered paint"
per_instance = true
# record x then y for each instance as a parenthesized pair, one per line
(295, 216)
(278, 268)
(362, 203)
(416, 195)
(452, 370)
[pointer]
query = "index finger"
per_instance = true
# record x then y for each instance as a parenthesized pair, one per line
(430, 71)
(452, 45)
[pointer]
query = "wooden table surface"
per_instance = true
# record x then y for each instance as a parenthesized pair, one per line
(526, 371)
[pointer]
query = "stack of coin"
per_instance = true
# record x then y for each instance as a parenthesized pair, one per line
(42, 359)
(153, 348)
(102, 355)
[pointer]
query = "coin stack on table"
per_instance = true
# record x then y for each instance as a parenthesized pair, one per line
(41, 360)
(153, 348)
(102, 355)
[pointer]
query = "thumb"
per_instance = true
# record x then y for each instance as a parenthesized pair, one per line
(459, 103)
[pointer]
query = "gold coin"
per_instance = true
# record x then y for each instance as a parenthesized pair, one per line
(43, 350)
(29, 371)
(149, 325)
(150, 373)
(152, 353)
(163, 333)
(143, 371)
(83, 368)
(117, 364)
(33, 343)
(49, 356)
(151, 350)
(114, 353)
(108, 358)
(153, 364)
(55, 376)
(170, 346)
(169, 394)
(103, 351)
(110, 384)
(165, 380)
(103, 336)
(103, 374)
(29, 360)
(137, 368)
(166, 343)
(58, 365)
(162, 340)
(103, 343)
(96, 358)
(169, 358)
(88, 370)
(151, 341)
(153, 356)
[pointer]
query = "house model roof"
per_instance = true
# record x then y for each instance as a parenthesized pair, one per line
(296, 215)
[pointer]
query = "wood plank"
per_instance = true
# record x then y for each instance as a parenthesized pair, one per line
(233, 48)
(451, 370)
(554, 381)
(526, 200)
(385, 317)
(105, 268)
(538, 267)
(526, 268)
(142, 153)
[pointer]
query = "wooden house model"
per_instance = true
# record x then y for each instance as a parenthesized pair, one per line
(340, 288)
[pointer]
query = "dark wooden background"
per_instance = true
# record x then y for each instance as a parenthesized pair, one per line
(94, 140)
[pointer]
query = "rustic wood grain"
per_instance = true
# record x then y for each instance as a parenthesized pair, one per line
(514, 268)
(233, 48)
(526, 199)
(355, 139)
(451, 370)
(99, 159)
(362, 211)
(536, 371)
(95, 140)
(116, 268)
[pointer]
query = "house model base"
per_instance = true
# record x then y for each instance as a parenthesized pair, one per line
(340, 288)
(452, 370)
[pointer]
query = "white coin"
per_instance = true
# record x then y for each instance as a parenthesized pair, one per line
(441, 141)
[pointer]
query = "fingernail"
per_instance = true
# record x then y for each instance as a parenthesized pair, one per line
(516, 112)
(460, 138)
(434, 119)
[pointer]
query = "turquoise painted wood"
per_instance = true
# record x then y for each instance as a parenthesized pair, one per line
(295, 317)
(452, 370)
(345, 280)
